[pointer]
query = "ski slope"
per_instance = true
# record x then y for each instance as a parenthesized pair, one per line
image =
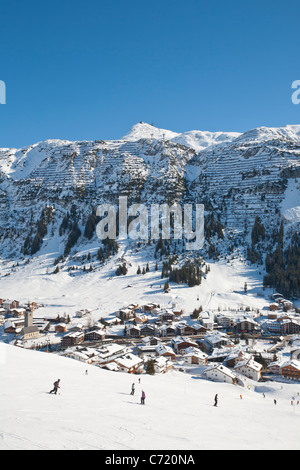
(97, 412)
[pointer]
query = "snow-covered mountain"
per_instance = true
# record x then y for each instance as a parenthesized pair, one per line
(238, 176)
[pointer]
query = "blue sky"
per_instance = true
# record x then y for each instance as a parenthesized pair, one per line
(85, 70)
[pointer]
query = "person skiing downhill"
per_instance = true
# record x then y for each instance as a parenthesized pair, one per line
(132, 389)
(56, 387)
(143, 397)
(216, 400)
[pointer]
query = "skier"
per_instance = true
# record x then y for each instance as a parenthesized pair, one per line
(56, 387)
(143, 397)
(216, 400)
(275, 402)
(132, 389)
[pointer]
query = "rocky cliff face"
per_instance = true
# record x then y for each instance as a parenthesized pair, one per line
(237, 176)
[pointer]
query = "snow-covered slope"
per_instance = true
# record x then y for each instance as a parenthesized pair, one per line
(96, 411)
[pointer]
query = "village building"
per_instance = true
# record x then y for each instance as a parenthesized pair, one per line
(109, 352)
(249, 368)
(72, 339)
(179, 344)
(82, 354)
(207, 320)
(275, 367)
(14, 326)
(125, 313)
(141, 319)
(166, 351)
(167, 330)
(220, 373)
(133, 331)
(225, 320)
(10, 304)
(30, 331)
(291, 370)
(130, 363)
(60, 328)
(148, 330)
(185, 329)
(15, 312)
(214, 340)
(162, 364)
(94, 335)
(245, 325)
(149, 344)
(195, 356)
(234, 356)
(166, 315)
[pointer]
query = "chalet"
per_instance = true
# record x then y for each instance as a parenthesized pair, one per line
(274, 307)
(200, 329)
(151, 341)
(245, 325)
(181, 343)
(125, 313)
(148, 330)
(141, 319)
(149, 307)
(206, 320)
(86, 355)
(290, 327)
(10, 304)
(220, 373)
(30, 332)
(295, 353)
(130, 363)
(177, 312)
(94, 335)
(275, 367)
(166, 351)
(149, 344)
(249, 368)
(291, 370)
(167, 330)
(166, 315)
(133, 331)
(14, 326)
(60, 328)
(184, 329)
(162, 364)
(235, 356)
(225, 320)
(195, 356)
(282, 326)
(15, 312)
(72, 339)
(214, 340)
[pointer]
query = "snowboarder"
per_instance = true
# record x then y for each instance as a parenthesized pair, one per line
(143, 397)
(132, 389)
(216, 400)
(55, 387)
